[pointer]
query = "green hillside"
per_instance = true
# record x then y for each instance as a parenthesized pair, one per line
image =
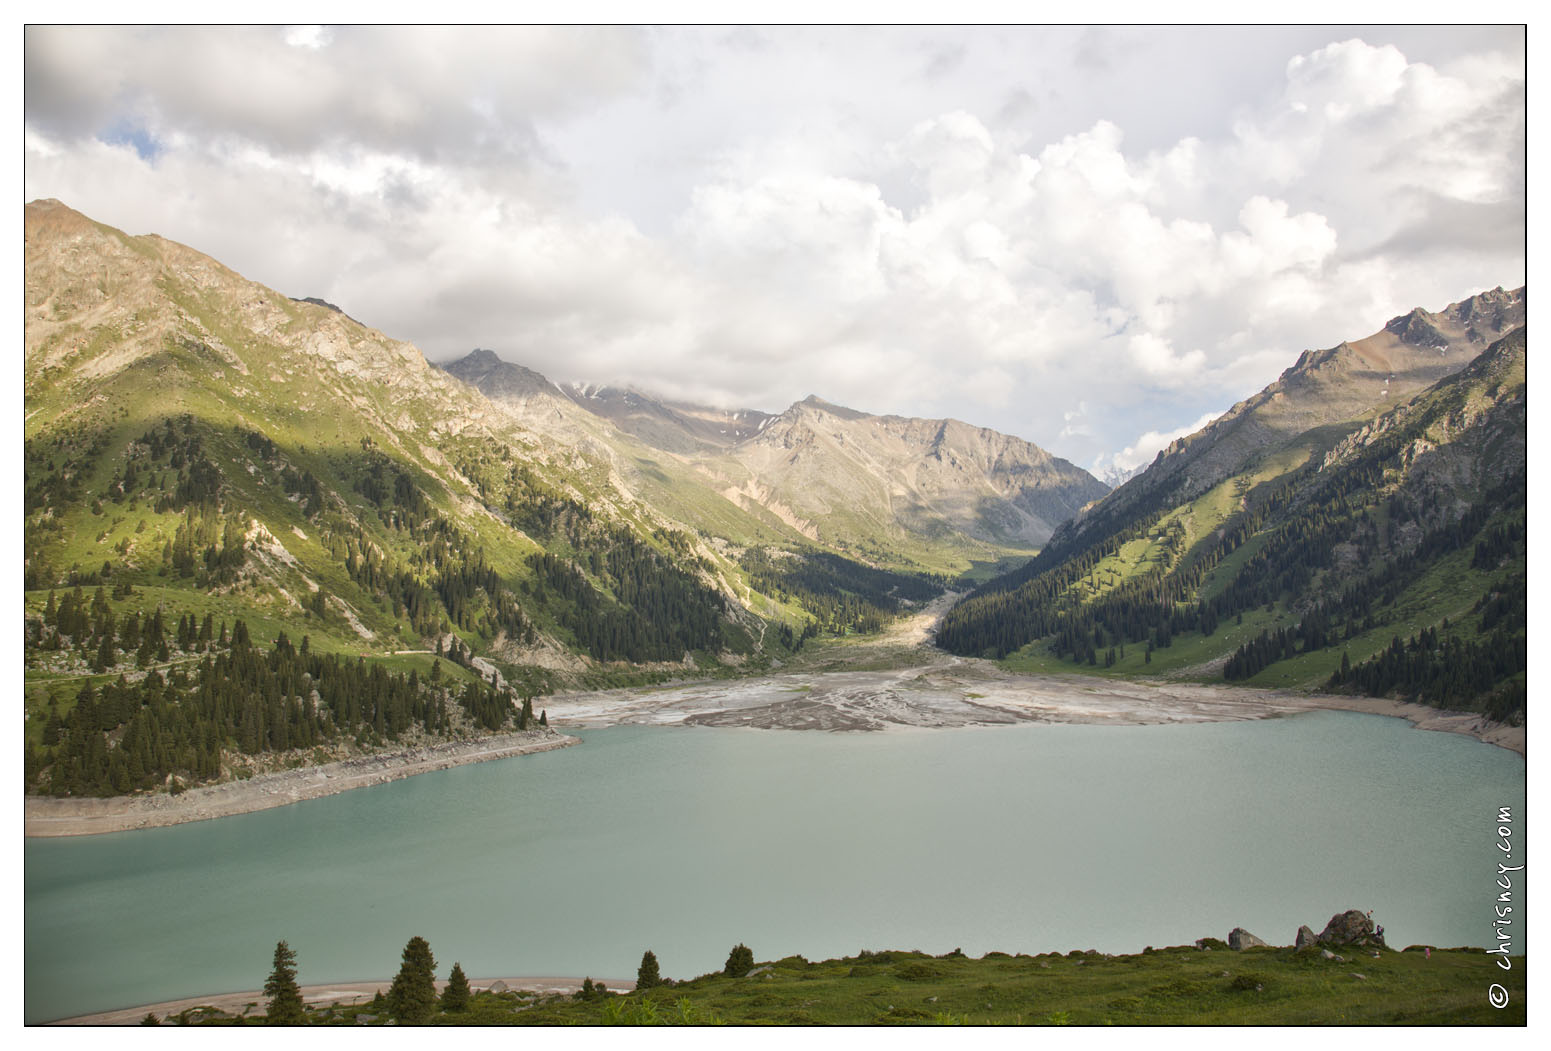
(1385, 554)
(1202, 984)
(203, 451)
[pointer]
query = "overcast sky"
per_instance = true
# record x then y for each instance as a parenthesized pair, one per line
(1095, 239)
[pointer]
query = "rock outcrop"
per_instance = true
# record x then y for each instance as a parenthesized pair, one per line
(1239, 938)
(1349, 928)
(1306, 937)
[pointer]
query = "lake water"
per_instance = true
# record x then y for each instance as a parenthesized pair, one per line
(689, 840)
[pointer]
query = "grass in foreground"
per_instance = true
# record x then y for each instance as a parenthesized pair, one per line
(1182, 985)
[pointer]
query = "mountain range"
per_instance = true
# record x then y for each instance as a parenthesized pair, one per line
(199, 439)
(214, 471)
(838, 476)
(1359, 524)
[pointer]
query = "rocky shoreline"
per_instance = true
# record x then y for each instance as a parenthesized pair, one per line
(48, 816)
(1424, 718)
(250, 1004)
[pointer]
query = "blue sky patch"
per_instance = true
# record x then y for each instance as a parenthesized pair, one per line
(124, 131)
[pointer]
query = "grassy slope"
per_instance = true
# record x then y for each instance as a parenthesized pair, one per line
(1445, 591)
(1182, 985)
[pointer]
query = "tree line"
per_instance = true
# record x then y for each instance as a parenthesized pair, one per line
(178, 728)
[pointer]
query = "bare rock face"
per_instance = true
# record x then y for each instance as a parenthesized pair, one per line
(1306, 937)
(1348, 928)
(1239, 938)
(1323, 387)
(828, 470)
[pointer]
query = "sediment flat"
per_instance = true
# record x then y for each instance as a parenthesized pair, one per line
(48, 816)
(899, 679)
(952, 692)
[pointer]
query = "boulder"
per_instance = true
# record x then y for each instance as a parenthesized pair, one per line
(1239, 938)
(1348, 928)
(1306, 937)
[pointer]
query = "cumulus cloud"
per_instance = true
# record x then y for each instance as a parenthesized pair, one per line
(935, 222)
(1147, 446)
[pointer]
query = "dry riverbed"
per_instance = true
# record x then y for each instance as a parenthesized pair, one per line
(974, 693)
(899, 679)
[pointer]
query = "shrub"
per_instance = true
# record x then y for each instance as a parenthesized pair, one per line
(739, 962)
(1249, 982)
(647, 976)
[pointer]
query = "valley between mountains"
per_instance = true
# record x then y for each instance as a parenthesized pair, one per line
(894, 680)
(262, 537)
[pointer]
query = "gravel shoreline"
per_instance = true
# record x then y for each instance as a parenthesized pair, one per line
(47, 816)
(335, 993)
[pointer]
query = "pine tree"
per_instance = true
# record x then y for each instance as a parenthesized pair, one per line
(739, 962)
(456, 996)
(285, 998)
(647, 975)
(413, 993)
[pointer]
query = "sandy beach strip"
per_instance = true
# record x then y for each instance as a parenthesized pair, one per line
(251, 1003)
(48, 816)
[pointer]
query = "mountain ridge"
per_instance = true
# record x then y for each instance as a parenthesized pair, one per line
(824, 467)
(1379, 549)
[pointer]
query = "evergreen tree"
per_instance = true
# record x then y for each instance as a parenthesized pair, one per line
(413, 992)
(285, 997)
(456, 996)
(739, 962)
(647, 976)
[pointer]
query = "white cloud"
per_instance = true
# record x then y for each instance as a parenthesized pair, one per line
(307, 36)
(935, 222)
(1147, 446)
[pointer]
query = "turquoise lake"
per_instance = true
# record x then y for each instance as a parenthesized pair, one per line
(688, 840)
